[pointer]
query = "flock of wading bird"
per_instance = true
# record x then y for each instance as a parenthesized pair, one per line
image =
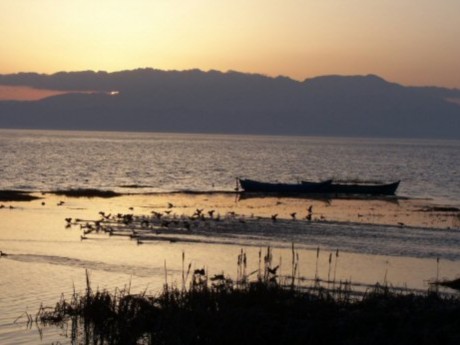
(167, 225)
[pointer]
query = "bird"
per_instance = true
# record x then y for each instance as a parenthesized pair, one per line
(218, 277)
(83, 238)
(310, 209)
(60, 203)
(43, 203)
(308, 217)
(293, 214)
(86, 232)
(170, 205)
(272, 270)
(3, 254)
(274, 216)
(157, 215)
(199, 272)
(68, 220)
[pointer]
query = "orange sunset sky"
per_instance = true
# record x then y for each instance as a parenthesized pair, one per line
(412, 42)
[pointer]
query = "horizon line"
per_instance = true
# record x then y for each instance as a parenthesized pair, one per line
(229, 71)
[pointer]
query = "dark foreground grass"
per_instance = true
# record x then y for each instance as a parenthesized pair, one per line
(16, 195)
(219, 311)
(86, 193)
(453, 284)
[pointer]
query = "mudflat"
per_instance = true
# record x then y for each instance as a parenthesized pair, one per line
(381, 211)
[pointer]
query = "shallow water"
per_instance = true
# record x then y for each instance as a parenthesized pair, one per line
(46, 258)
(49, 160)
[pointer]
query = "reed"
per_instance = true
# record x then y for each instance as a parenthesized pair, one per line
(220, 310)
(87, 193)
(335, 266)
(317, 260)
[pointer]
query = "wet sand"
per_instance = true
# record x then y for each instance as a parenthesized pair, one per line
(378, 211)
(37, 229)
(45, 259)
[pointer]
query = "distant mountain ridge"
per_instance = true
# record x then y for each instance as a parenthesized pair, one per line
(233, 102)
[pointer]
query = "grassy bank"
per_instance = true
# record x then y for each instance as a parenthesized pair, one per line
(16, 195)
(270, 310)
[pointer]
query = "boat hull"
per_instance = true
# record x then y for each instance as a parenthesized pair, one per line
(325, 187)
(284, 188)
(361, 189)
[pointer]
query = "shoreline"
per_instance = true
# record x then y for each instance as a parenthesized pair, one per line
(394, 210)
(44, 253)
(281, 312)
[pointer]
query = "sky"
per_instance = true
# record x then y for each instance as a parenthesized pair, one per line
(411, 42)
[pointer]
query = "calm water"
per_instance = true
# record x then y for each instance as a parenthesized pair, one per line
(39, 160)
(45, 259)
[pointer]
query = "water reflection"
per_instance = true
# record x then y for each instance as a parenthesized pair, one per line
(46, 259)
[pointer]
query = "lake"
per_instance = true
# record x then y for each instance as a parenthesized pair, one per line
(46, 259)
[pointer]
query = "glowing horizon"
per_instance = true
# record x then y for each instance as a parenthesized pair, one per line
(26, 93)
(29, 93)
(410, 42)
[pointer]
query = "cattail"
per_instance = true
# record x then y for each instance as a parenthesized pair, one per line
(244, 266)
(293, 263)
(386, 272)
(281, 261)
(297, 264)
(335, 264)
(188, 272)
(260, 262)
(88, 284)
(166, 275)
(437, 268)
(317, 258)
(183, 273)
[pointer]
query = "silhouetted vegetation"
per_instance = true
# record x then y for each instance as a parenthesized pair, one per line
(87, 193)
(271, 310)
(15, 195)
(453, 284)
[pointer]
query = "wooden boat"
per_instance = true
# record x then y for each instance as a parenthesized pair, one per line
(359, 188)
(283, 188)
(324, 187)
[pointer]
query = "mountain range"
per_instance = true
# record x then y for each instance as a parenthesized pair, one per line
(195, 101)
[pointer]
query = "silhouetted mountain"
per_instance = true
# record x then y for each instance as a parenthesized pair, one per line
(232, 102)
